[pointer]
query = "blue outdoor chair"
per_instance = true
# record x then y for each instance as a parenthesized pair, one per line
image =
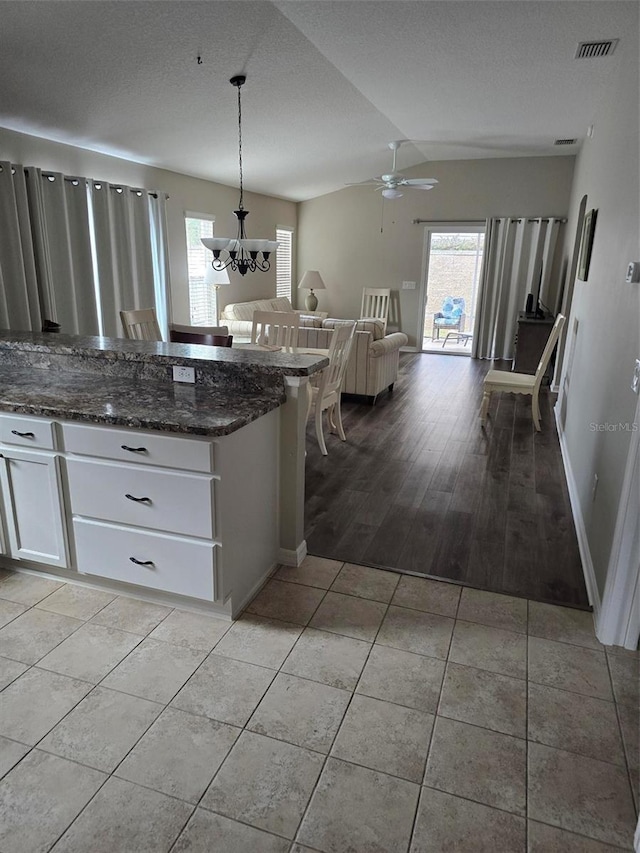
(451, 318)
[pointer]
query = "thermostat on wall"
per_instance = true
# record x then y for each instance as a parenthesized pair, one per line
(633, 272)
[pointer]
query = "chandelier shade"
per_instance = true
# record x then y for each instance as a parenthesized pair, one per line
(239, 253)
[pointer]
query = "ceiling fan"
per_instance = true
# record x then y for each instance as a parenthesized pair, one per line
(391, 183)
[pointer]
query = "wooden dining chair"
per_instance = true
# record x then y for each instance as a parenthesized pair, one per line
(141, 324)
(213, 336)
(375, 304)
(522, 383)
(326, 396)
(276, 328)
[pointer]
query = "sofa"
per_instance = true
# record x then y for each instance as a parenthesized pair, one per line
(373, 363)
(238, 316)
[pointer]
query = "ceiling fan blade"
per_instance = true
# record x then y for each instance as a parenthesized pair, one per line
(372, 183)
(418, 182)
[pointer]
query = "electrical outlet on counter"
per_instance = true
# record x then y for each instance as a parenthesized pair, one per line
(183, 374)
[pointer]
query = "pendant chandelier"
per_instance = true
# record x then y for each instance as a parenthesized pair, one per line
(240, 254)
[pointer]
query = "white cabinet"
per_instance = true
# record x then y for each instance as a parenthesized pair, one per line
(184, 515)
(143, 497)
(152, 560)
(33, 509)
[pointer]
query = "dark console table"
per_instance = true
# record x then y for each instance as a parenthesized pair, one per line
(531, 336)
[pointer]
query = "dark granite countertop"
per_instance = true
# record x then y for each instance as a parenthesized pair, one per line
(129, 383)
(168, 407)
(157, 352)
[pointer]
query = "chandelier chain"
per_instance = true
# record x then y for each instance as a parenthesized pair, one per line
(240, 145)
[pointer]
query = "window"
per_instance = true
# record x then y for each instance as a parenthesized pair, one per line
(283, 262)
(202, 296)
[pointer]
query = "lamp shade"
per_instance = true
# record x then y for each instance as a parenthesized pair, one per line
(216, 277)
(311, 280)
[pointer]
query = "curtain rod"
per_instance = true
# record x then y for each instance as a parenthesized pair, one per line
(513, 219)
(98, 184)
(76, 182)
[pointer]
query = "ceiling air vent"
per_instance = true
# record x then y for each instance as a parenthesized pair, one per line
(596, 49)
(565, 142)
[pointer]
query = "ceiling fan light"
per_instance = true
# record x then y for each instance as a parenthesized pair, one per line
(388, 192)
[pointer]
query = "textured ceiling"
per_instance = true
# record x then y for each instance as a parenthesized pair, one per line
(329, 84)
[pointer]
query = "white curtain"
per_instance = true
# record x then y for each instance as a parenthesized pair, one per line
(160, 259)
(66, 216)
(77, 252)
(22, 305)
(518, 260)
(126, 253)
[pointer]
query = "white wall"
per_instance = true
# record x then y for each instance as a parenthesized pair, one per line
(596, 381)
(185, 193)
(339, 233)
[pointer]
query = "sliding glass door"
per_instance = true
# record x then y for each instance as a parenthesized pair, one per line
(449, 293)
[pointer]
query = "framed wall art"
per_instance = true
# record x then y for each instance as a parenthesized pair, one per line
(586, 243)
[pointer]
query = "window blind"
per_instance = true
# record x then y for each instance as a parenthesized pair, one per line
(202, 297)
(283, 262)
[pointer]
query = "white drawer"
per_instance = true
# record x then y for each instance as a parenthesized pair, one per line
(168, 563)
(147, 448)
(27, 432)
(175, 502)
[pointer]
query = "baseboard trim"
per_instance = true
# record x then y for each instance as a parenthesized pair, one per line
(287, 557)
(578, 520)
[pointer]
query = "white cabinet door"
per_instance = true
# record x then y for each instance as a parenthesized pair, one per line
(33, 506)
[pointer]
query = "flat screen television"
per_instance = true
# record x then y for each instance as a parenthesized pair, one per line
(534, 307)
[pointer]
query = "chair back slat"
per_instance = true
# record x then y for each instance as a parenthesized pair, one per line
(276, 328)
(339, 350)
(141, 324)
(375, 303)
(548, 349)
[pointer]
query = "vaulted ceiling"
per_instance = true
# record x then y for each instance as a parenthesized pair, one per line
(329, 84)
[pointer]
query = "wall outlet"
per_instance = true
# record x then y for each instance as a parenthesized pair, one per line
(635, 382)
(183, 374)
(408, 285)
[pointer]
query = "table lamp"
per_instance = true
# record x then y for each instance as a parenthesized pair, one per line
(311, 281)
(216, 278)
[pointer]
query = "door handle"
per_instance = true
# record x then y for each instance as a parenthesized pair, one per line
(23, 434)
(142, 562)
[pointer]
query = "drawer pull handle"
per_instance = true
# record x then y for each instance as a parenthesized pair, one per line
(134, 449)
(138, 500)
(23, 434)
(142, 562)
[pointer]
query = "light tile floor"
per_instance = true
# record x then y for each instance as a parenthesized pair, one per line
(350, 709)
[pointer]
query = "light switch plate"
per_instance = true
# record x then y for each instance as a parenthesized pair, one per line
(633, 272)
(635, 382)
(408, 285)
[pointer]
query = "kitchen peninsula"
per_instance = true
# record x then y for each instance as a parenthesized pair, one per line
(112, 473)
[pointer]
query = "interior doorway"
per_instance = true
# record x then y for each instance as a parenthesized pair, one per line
(452, 266)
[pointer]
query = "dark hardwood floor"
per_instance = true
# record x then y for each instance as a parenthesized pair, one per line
(419, 487)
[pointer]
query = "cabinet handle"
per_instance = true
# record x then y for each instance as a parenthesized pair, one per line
(142, 562)
(23, 434)
(134, 449)
(138, 500)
